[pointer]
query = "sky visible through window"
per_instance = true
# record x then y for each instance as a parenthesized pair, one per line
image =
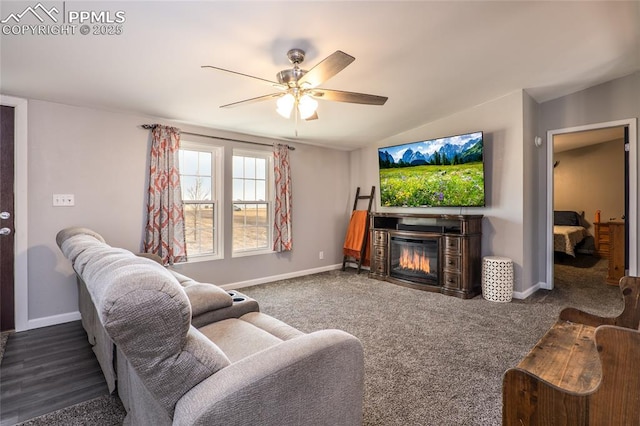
(249, 178)
(195, 168)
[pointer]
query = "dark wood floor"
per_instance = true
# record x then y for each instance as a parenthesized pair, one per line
(46, 369)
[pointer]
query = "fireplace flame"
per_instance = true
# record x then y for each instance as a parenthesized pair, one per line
(414, 261)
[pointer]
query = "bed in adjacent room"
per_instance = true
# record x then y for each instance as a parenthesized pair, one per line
(567, 231)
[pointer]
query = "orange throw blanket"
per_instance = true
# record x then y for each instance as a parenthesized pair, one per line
(356, 235)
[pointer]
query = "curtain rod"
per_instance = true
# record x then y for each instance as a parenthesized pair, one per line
(151, 126)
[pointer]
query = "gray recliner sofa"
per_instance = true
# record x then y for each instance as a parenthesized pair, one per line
(186, 353)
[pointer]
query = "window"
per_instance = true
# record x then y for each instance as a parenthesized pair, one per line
(252, 202)
(200, 179)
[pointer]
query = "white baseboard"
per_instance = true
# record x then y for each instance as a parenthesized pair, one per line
(355, 266)
(264, 280)
(528, 292)
(52, 320)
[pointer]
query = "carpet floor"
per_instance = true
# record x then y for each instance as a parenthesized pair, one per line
(429, 359)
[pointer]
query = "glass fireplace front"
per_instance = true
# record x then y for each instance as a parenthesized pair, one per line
(415, 259)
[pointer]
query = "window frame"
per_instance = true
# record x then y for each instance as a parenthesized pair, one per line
(217, 198)
(270, 200)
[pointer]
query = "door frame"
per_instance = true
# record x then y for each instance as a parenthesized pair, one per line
(632, 218)
(21, 290)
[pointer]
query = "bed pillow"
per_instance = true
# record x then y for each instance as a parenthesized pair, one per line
(566, 218)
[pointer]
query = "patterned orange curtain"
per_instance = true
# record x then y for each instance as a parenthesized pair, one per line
(165, 234)
(282, 213)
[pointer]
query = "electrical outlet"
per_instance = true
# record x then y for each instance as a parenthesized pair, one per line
(321, 255)
(64, 200)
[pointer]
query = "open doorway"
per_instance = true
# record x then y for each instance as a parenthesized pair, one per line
(591, 174)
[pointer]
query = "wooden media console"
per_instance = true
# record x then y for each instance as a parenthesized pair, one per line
(433, 252)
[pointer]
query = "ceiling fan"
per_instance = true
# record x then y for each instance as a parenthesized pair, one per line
(299, 88)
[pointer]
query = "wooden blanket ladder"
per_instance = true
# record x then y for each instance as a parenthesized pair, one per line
(360, 258)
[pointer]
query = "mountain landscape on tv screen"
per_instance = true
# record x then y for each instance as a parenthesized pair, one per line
(442, 172)
(448, 154)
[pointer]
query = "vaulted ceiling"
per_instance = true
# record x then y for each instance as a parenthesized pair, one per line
(430, 59)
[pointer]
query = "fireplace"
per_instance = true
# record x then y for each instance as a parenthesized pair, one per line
(430, 252)
(415, 258)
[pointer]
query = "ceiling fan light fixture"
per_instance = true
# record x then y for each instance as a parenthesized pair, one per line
(285, 105)
(307, 106)
(300, 88)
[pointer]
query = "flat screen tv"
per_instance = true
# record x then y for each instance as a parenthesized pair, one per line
(444, 172)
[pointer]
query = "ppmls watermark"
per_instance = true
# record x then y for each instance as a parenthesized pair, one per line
(57, 19)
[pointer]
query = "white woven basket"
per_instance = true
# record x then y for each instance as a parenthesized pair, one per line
(497, 279)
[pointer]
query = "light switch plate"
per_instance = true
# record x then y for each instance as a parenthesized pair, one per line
(63, 200)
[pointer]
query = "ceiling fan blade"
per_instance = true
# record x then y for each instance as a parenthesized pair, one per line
(272, 83)
(330, 66)
(313, 117)
(252, 100)
(351, 97)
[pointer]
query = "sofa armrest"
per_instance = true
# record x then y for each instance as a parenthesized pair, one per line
(242, 305)
(203, 297)
(314, 379)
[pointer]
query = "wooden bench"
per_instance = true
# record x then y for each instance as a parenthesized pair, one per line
(584, 370)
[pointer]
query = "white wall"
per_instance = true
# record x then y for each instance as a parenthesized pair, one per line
(501, 120)
(591, 178)
(101, 158)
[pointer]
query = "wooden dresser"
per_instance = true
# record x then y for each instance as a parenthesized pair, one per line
(601, 239)
(616, 252)
(610, 244)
